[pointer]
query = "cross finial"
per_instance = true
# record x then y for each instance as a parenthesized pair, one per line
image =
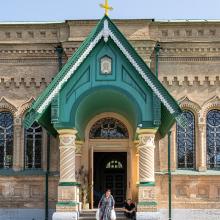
(106, 7)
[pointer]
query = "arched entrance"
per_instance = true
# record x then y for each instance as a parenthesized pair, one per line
(110, 172)
(109, 137)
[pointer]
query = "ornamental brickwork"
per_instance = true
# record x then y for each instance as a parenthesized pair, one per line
(189, 64)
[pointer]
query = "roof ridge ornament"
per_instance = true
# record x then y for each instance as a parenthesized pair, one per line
(106, 31)
(106, 6)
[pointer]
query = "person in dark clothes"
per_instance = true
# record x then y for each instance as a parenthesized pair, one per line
(129, 209)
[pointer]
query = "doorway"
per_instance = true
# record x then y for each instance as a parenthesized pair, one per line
(110, 172)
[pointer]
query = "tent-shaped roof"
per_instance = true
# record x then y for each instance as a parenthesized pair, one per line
(40, 110)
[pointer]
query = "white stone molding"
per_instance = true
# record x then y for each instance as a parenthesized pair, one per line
(25, 106)
(6, 105)
(186, 103)
(213, 103)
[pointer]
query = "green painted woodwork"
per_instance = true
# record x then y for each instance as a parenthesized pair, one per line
(86, 95)
(67, 203)
(88, 92)
(147, 203)
(69, 184)
(146, 184)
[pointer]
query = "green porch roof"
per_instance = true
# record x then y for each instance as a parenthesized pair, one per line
(40, 109)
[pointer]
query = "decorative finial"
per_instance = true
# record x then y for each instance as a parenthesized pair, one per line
(106, 7)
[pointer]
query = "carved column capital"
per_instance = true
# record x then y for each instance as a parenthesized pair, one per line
(67, 138)
(146, 137)
(146, 141)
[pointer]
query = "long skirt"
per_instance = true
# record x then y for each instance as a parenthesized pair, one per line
(105, 213)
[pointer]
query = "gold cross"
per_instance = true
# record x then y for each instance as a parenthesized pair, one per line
(106, 7)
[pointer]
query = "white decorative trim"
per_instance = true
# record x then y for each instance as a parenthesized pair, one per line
(186, 103)
(70, 72)
(141, 72)
(24, 106)
(105, 32)
(5, 104)
(213, 103)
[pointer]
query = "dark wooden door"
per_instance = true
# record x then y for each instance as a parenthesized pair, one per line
(116, 182)
(110, 172)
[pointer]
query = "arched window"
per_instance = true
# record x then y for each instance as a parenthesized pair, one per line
(6, 139)
(114, 164)
(108, 128)
(33, 146)
(213, 138)
(186, 143)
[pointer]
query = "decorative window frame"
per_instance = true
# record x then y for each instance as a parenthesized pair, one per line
(42, 138)
(211, 104)
(8, 106)
(206, 145)
(194, 143)
(131, 132)
(100, 124)
(187, 105)
(13, 136)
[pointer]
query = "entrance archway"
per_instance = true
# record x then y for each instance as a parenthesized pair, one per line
(109, 146)
(110, 172)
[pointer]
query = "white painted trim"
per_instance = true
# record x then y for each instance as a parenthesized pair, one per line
(70, 72)
(105, 32)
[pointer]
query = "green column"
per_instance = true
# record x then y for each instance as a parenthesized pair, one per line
(169, 178)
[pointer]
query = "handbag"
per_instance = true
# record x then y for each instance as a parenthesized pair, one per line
(113, 214)
(97, 214)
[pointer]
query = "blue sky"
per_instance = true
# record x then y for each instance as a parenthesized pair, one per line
(58, 10)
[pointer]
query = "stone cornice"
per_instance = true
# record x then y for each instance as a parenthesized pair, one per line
(183, 80)
(190, 59)
(25, 82)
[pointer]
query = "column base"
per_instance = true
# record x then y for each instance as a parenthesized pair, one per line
(202, 169)
(65, 216)
(147, 202)
(67, 207)
(147, 216)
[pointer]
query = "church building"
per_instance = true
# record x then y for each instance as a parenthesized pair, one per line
(88, 105)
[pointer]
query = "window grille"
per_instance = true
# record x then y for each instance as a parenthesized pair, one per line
(213, 139)
(33, 146)
(108, 128)
(6, 140)
(186, 143)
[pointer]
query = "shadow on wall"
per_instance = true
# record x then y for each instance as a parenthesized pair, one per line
(24, 214)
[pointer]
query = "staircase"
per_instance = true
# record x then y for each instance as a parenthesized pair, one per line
(90, 215)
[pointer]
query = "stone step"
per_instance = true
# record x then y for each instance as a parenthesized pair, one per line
(90, 215)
